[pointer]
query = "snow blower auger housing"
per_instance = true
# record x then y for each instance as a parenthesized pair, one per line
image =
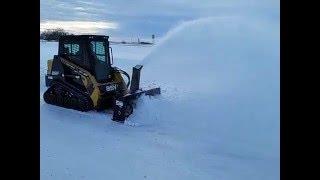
(82, 77)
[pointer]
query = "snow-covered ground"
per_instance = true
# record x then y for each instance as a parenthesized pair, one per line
(217, 116)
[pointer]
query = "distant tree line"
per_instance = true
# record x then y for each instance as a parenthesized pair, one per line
(53, 34)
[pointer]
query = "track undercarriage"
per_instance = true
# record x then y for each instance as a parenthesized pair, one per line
(67, 96)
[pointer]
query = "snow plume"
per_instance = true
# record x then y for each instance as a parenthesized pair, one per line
(221, 80)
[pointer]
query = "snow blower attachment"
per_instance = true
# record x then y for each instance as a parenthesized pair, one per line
(82, 77)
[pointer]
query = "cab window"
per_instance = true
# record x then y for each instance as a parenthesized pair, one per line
(72, 49)
(98, 48)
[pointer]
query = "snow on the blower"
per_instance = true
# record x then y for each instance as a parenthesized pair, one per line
(217, 116)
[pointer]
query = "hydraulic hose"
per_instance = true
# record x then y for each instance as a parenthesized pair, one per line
(124, 73)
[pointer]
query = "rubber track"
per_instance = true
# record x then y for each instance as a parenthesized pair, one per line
(67, 96)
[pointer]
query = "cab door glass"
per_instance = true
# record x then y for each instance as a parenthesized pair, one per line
(98, 48)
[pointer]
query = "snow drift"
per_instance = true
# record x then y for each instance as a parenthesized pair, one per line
(220, 81)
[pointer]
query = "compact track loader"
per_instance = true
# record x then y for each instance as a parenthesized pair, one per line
(82, 77)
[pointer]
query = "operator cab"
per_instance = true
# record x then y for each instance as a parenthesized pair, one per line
(90, 52)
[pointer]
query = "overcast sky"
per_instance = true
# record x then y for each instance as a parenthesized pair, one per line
(142, 18)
